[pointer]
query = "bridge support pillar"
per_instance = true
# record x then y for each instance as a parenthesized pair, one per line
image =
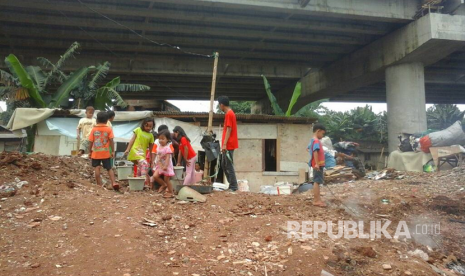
(406, 105)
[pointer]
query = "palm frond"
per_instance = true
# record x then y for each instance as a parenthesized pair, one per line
(124, 87)
(68, 54)
(274, 103)
(117, 97)
(295, 98)
(37, 75)
(8, 79)
(101, 73)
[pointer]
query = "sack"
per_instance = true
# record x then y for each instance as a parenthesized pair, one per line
(405, 145)
(425, 144)
(450, 136)
(211, 147)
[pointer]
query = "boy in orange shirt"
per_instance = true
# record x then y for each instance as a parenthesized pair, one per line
(101, 144)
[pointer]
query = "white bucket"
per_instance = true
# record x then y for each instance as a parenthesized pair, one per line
(124, 172)
(178, 170)
(136, 183)
(220, 186)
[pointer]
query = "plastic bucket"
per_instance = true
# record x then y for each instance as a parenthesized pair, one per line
(220, 186)
(124, 172)
(178, 170)
(136, 183)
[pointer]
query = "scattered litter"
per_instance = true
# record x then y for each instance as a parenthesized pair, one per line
(148, 222)
(419, 253)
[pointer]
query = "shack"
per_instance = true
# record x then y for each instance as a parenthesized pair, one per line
(10, 141)
(271, 148)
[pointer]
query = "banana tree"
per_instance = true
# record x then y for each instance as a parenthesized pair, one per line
(103, 97)
(308, 110)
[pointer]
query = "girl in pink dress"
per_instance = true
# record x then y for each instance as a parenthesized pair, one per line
(164, 165)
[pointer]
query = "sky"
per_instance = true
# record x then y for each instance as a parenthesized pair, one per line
(204, 106)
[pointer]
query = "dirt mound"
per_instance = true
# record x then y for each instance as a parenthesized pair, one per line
(59, 223)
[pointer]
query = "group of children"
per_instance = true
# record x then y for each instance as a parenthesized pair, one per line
(151, 152)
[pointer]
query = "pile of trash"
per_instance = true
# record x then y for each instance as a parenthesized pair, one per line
(10, 189)
(339, 173)
(387, 174)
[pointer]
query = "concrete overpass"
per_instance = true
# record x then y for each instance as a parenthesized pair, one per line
(344, 50)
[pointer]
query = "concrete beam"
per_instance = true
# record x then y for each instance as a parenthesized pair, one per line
(206, 42)
(182, 66)
(383, 11)
(306, 59)
(427, 40)
(197, 16)
(185, 29)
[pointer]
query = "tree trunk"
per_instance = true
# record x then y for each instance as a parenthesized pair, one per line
(31, 137)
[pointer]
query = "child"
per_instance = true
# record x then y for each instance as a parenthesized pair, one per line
(164, 164)
(85, 125)
(111, 117)
(100, 145)
(317, 162)
(137, 147)
(198, 173)
(187, 153)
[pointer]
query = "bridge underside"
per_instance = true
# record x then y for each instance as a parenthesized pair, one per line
(279, 39)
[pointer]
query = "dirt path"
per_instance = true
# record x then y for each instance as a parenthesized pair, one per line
(59, 223)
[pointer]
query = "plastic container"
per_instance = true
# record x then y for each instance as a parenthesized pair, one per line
(220, 186)
(276, 190)
(178, 170)
(136, 183)
(243, 186)
(124, 172)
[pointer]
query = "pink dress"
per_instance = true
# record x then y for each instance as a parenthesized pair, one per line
(162, 152)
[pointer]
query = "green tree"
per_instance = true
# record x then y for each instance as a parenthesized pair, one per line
(239, 107)
(442, 116)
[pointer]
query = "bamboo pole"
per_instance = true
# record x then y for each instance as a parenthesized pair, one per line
(206, 170)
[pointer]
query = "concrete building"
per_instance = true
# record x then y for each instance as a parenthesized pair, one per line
(403, 52)
(271, 148)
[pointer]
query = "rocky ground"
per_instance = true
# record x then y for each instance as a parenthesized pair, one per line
(55, 221)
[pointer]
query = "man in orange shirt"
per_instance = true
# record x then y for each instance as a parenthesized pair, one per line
(229, 142)
(101, 146)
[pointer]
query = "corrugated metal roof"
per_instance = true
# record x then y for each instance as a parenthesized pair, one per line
(239, 117)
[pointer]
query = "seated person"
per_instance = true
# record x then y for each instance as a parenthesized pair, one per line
(352, 161)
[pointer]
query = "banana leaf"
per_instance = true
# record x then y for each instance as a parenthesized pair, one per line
(17, 68)
(295, 97)
(71, 83)
(274, 103)
(37, 75)
(105, 94)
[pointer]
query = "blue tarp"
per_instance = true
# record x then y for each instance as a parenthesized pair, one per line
(67, 127)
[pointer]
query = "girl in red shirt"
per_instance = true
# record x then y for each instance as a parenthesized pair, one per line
(187, 153)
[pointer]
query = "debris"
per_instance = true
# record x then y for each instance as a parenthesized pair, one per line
(305, 247)
(148, 222)
(256, 244)
(419, 253)
(289, 251)
(325, 273)
(34, 224)
(268, 238)
(36, 265)
(408, 273)
(387, 267)
(54, 218)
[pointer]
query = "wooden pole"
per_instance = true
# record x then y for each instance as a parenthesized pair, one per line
(206, 171)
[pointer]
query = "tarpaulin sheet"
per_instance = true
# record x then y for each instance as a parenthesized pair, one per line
(67, 127)
(24, 117)
(408, 161)
(123, 131)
